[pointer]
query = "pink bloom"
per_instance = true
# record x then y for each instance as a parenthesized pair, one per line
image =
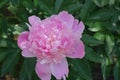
(52, 40)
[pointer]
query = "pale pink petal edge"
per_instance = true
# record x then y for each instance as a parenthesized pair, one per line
(43, 71)
(60, 70)
(79, 51)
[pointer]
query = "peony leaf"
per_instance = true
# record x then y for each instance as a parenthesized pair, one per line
(8, 65)
(89, 40)
(58, 4)
(81, 67)
(92, 55)
(117, 71)
(27, 70)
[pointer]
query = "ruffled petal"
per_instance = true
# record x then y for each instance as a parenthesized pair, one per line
(24, 44)
(59, 70)
(27, 53)
(66, 19)
(78, 50)
(23, 39)
(81, 27)
(78, 28)
(34, 20)
(43, 71)
(75, 25)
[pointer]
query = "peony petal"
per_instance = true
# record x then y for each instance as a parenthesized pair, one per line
(59, 70)
(26, 53)
(78, 28)
(23, 39)
(81, 26)
(75, 26)
(43, 71)
(34, 20)
(78, 50)
(66, 18)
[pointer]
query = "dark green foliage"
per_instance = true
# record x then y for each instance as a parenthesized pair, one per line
(81, 68)
(101, 37)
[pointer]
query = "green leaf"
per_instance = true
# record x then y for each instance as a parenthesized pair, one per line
(22, 14)
(15, 2)
(92, 55)
(110, 26)
(106, 67)
(117, 71)
(3, 43)
(58, 4)
(96, 26)
(27, 70)
(109, 43)
(3, 2)
(4, 53)
(73, 7)
(73, 75)
(103, 67)
(35, 2)
(99, 36)
(86, 8)
(10, 62)
(28, 3)
(89, 40)
(111, 2)
(102, 14)
(4, 25)
(82, 68)
(101, 3)
(45, 7)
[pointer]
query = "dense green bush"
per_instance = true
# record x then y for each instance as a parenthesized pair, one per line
(101, 37)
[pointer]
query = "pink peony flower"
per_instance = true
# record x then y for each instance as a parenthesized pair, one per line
(52, 40)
